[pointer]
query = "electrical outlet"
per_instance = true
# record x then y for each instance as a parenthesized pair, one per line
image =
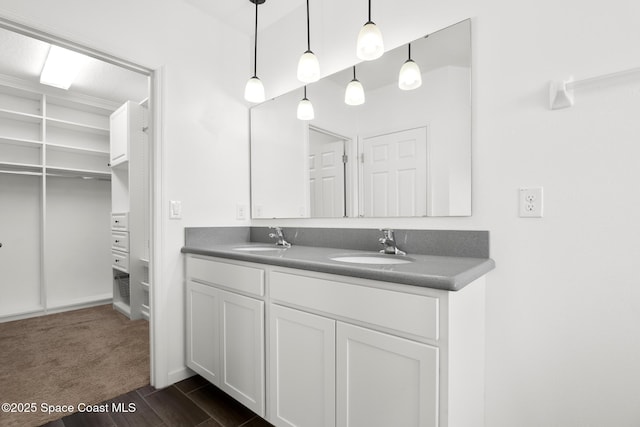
(241, 211)
(531, 202)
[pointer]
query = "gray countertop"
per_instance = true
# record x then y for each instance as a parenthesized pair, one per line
(450, 273)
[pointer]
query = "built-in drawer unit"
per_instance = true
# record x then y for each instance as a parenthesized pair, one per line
(225, 275)
(120, 261)
(416, 315)
(120, 240)
(120, 221)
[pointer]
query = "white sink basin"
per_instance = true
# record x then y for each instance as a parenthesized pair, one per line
(373, 259)
(258, 248)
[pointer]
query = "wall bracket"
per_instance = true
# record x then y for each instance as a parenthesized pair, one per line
(561, 94)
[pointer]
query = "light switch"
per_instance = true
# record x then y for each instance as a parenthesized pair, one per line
(175, 211)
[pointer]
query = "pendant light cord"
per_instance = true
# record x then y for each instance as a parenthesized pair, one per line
(308, 31)
(369, 10)
(409, 51)
(354, 72)
(305, 92)
(255, 46)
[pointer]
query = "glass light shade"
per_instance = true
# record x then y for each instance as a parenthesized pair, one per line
(254, 90)
(308, 68)
(305, 110)
(61, 67)
(370, 45)
(410, 76)
(354, 95)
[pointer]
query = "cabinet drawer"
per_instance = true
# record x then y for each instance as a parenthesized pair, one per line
(408, 313)
(120, 241)
(120, 261)
(120, 221)
(231, 276)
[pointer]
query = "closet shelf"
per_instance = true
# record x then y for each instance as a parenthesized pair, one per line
(74, 149)
(83, 127)
(20, 167)
(71, 172)
(20, 141)
(17, 115)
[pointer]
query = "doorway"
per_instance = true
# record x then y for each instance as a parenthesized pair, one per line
(55, 176)
(327, 174)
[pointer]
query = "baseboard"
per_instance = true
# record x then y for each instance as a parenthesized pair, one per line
(179, 375)
(24, 314)
(102, 300)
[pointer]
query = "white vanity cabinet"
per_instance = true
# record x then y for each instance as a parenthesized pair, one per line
(225, 328)
(340, 351)
(365, 353)
(302, 367)
(384, 380)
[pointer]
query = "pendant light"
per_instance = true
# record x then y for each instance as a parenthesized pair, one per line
(410, 76)
(305, 108)
(354, 95)
(254, 90)
(370, 45)
(308, 66)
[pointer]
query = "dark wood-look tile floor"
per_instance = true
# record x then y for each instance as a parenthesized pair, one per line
(189, 403)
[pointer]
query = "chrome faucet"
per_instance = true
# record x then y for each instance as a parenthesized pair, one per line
(279, 236)
(389, 242)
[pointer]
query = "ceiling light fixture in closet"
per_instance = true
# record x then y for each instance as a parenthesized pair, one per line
(354, 94)
(410, 76)
(305, 108)
(308, 66)
(370, 45)
(254, 90)
(61, 67)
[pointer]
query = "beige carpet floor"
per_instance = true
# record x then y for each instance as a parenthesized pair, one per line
(82, 356)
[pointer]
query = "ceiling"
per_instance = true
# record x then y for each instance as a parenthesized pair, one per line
(240, 14)
(23, 57)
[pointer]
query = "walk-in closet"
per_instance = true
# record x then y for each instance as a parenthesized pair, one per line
(60, 189)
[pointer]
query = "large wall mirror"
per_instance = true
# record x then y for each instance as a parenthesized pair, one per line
(402, 153)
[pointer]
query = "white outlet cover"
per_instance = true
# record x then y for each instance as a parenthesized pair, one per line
(531, 202)
(241, 211)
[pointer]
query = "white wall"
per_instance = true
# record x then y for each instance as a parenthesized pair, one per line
(279, 145)
(563, 305)
(205, 129)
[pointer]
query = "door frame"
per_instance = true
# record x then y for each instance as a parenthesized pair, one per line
(158, 364)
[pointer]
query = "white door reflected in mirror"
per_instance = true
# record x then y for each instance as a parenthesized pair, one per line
(394, 169)
(326, 174)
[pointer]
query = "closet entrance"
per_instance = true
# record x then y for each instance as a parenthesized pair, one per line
(61, 191)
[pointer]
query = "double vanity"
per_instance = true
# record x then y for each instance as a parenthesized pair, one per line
(316, 327)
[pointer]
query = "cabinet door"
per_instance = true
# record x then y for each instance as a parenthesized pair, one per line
(243, 349)
(119, 135)
(203, 330)
(383, 380)
(302, 369)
